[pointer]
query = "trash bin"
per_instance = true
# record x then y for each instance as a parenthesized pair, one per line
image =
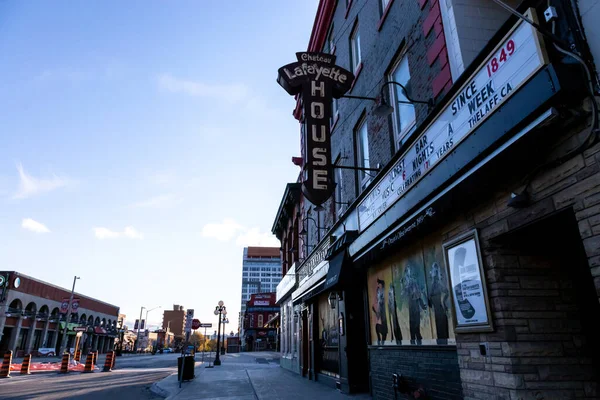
(188, 368)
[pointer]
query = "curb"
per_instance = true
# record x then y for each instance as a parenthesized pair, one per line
(158, 390)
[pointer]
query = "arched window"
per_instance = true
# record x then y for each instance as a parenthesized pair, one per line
(90, 320)
(30, 310)
(44, 312)
(15, 306)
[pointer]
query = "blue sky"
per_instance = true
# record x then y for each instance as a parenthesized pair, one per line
(142, 146)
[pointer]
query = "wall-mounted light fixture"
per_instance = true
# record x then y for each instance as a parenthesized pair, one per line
(332, 300)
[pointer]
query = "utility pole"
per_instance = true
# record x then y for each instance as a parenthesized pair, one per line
(63, 341)
(137, 342)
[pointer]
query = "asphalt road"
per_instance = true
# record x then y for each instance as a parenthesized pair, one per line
(131, 379)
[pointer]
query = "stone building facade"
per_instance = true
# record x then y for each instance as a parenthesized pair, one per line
(463, 262)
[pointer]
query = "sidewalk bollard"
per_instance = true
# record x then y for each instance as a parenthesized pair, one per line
(78, 355)
(5, 370)
(114, 360)
(64, 366)
(25, 365)
(107, 362)
(89, 363)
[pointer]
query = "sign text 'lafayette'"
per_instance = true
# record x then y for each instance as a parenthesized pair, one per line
(316, 76)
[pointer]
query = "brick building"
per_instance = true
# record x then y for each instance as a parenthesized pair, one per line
(464, 259)
(260, 332)
(32, 317)
(174, 321)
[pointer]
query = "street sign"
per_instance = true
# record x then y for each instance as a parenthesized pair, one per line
(195, 324)
(80, 329)
(206, 325)
(188, 320)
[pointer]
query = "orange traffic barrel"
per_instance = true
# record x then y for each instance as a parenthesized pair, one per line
(107, 362)
(89, 363)
(5, 370)
(25, 365)
(64, 365)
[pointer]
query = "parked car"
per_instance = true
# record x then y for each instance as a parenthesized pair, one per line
(167, 350)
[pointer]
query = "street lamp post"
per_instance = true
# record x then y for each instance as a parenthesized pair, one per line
(225, 321)
(147, 311)
(219, 310)
(137, 341)
(63, 342)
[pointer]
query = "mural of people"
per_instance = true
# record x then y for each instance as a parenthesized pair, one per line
(393, 309)
(381, 318)
(438, 300)
(413, 293)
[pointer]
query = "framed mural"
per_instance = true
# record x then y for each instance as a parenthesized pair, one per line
(409, 298)
(467, 281)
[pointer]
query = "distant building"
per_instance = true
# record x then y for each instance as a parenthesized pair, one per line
(260, 327)
(174, 320)
(261, 273)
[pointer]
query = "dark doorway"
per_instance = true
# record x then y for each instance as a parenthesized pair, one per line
(305, 344)
(6, 335)
(554, 267)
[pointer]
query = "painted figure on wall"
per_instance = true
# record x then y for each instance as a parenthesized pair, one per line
(381, 322)
(438, 300)
(413, 293)
(393, 309)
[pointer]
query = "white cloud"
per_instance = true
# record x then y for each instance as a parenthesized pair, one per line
(230, 92)
(105, 233)
(30, 186)
(253, 237)
(223, 231)
(229, 229)
(34, 226)
(162, 201)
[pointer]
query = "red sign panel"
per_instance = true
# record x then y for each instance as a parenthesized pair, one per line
(195, 324)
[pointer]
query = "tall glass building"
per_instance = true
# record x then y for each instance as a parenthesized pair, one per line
(261, 272)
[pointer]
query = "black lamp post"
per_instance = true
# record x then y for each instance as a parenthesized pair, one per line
(225, 321)
(219, 310)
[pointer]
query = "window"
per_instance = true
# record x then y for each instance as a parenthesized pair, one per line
(355, 49)
(260, 320)
(383, 4)
(329, 46)
(334, 112)
(362, 154)
(338, 188)
(404, 114)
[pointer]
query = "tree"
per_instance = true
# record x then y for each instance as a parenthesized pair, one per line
(196, 339)
(209, 345)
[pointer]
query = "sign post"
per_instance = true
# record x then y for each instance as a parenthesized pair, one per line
(208, 325)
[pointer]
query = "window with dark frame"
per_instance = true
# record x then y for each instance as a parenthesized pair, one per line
(355, 49)
(383, 5)
(404, 118)
(338, 188)
(362, 153)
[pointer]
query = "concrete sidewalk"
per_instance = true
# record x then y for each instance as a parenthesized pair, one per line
(246, 376)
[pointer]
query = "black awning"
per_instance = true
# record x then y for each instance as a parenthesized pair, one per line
(335, 270)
